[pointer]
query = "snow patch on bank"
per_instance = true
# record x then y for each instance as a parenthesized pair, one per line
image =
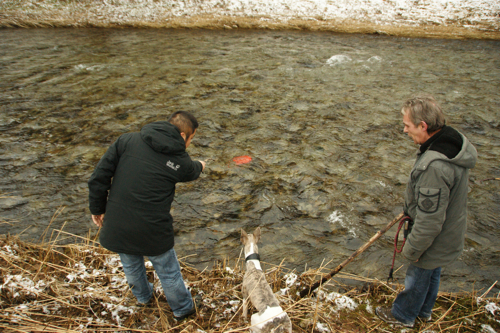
(391, 12)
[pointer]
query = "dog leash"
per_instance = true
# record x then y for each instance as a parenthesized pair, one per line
(405, 220)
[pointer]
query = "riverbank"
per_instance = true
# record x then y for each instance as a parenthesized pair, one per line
(470, 19)
(81, 288)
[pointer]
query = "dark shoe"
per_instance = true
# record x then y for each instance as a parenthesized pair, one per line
(145, 305)
(151, 302)
(426, 319)
(197, 303)
(385, 314)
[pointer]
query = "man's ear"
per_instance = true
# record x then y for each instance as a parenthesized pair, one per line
(184, 136)
(422, 123)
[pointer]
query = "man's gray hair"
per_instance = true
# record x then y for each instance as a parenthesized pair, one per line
(424, 108)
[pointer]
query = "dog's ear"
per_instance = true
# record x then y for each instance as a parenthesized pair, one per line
(256, 235)
(244, 236)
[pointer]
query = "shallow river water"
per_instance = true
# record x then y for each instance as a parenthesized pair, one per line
(317, 112)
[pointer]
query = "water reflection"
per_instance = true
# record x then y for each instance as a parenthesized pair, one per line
(318, 112)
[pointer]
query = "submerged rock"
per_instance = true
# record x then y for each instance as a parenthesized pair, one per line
(11, 202)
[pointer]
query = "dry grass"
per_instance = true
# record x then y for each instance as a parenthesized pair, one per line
(213, 22)
(80, 288)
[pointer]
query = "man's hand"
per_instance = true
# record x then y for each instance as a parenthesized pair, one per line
(203, 163)
(98, 219)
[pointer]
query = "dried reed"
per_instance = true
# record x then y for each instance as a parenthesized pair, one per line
(80, 287)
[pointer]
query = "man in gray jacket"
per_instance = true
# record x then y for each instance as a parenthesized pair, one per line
(436, 201)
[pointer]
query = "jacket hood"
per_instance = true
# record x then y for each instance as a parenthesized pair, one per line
(465, 157)
(163, 137)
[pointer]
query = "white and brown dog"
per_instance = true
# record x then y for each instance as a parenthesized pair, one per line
(270, 316)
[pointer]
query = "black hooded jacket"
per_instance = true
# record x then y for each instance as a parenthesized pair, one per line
(134, 185)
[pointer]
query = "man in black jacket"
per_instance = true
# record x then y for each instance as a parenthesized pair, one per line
(130, 194)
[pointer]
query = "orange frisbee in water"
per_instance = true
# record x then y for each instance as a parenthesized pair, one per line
(242, 159)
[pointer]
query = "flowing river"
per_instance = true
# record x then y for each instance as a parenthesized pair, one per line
(319, 113)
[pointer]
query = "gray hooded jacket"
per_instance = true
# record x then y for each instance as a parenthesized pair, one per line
(436, 199)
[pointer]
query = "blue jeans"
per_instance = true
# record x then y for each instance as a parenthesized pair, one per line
(419, 296)
(168, 270)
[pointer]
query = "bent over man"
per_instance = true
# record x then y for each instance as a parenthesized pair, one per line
(436, 201)
(130, 194)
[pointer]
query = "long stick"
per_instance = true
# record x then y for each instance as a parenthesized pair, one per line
(309, 290)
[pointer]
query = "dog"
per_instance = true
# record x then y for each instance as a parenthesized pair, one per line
(270, 317)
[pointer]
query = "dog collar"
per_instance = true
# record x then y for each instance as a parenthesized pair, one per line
(253, 256)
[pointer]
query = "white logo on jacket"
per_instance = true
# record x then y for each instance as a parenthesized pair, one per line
(173, 166)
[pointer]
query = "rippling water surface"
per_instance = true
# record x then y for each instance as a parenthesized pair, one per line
(318, 113)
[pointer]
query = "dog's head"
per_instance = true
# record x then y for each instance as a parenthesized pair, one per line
(250, 241)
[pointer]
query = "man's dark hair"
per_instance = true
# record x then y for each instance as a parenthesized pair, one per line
(184, 121)
(424, 108)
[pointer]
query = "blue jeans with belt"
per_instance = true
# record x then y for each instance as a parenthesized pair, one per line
(168, 270)
(419, 295)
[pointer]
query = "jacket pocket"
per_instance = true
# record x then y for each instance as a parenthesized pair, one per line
(428, 199)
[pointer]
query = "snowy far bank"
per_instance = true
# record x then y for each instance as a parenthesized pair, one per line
(382, 16)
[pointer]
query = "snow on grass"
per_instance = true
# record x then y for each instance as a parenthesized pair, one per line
(290, 281)
(485, 328)
(19, 285)
(342, 302)
(492, 307)
(103, 302)
(394, 12)
(116, 310)
(322, 327)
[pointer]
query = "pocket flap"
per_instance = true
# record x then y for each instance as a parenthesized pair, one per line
(428, 199)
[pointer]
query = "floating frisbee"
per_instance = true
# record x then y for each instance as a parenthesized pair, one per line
(242, 159)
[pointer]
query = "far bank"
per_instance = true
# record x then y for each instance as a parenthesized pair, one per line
(453, 20)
